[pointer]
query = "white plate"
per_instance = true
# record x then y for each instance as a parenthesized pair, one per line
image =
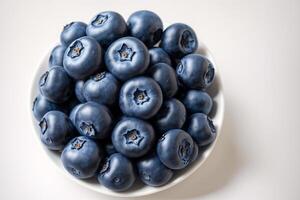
(139, 189)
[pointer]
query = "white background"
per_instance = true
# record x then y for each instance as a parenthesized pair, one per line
(256, 46)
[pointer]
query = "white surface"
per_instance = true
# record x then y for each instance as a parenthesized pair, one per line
(256, 46)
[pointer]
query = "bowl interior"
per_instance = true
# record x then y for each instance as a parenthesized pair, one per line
(217, 113)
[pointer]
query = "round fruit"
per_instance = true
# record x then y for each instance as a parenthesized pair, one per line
(127, 57)
(71, 32)
(81, 157)
(197, 101)
(175, 149)
(82, 57)
(140, 97)
(133, 137)
(117, 173)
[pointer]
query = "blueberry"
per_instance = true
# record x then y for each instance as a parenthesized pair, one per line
(195, 71)
(175, 149)
(165, 76)
(172, 115)
(117, 173)
(133, 137)
(197, 101)
(72, 31)
(81, 157)
(79, 90)
(55, 130)
(152, 172)
(107, 27)
(56, 85)
(41, 106)
(179, 40)
(73, 113)
(140, 97)
(102, 88)
(146, 26)
(82, 57)
(56, 56)
(201, 128)
(92, 120)
(126, 58)
(158, 55)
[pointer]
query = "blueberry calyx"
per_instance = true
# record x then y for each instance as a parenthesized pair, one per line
(67, 26)
(34, 102)
(43, 125)
(99, 20)
(209, 75)
(179, 68)
(140, 96)
(74, 171)
(184, 151)
(116, 180)
(78, 143)
(211, 125)
(88, 128)
(146, 176)
(105, 167)
(99, 76)
(126, 53)
(133, 137)
(187, 41)
(162, 137)
(75, 49)
(43, 79)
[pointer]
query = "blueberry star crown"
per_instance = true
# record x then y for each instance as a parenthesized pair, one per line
(99, 76)
(184, 151)
(88, 128)
(133, 137)
(43, 125)
(100, 20)
(187, 40)
(75, 49)
(126, 53)
(140, 96)
(105, 166)
(78, 143)
(68, 26)
(43, 79)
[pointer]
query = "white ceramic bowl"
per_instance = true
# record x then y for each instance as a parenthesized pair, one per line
(139, 189)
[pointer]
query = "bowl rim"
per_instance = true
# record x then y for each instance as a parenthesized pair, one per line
(192, 169)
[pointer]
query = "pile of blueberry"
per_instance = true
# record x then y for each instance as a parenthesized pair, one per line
(122, 100)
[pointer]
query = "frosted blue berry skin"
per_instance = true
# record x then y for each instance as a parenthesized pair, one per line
(152, 172)
(82, 58)
(117, 173)
(171, 115)
(146, 26)
(175, 149)
(194, 71)
(179, 40)
(55, 130)
(56, 85)
(140, 97)
(102, 88)
(57, 55)
(79, 91)
(158, 55)
(201, 128)
(81, 157)
(197, 101)
(71, 32)
(127, 57)
(42, 105)
(92, 120)
(133, 137)
(165, 76)
(106, 27)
